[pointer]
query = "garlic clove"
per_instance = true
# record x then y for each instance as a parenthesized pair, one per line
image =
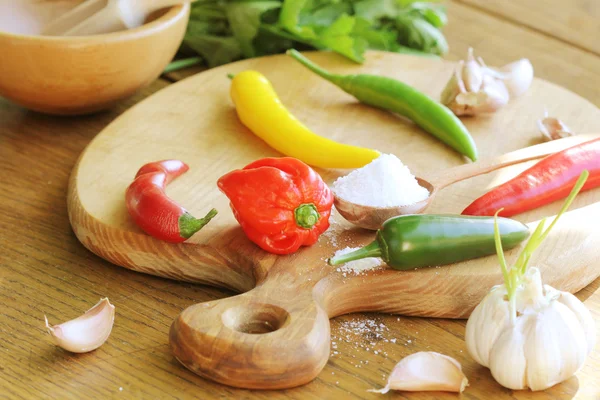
(507, 361)
(472, 73)
(454, 86)
(518, 76)
(553, 128)
(492, 96)
(583, 315)
(487, 321)
(426, 371)
(555, 347)
(87, 332)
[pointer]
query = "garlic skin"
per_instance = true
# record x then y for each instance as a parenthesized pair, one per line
(473, 90)
(547, 343)
(426, 371)
(87, 332)
(553, 128)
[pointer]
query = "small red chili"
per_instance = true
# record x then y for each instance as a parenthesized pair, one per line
(281, 203)
(153, 211)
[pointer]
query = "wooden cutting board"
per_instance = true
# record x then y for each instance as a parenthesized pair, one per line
(276, 334)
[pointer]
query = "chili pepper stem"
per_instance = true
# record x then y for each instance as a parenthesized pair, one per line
(306, 215)
(312, 66)
(370, 250)
(188, 224)
(230, 76)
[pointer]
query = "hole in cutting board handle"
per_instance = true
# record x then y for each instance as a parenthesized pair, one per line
(255, 318)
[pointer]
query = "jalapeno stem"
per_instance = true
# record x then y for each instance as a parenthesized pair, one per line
(370, 250)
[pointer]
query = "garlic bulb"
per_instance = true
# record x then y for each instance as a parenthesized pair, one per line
(549, 341)
(426, 371)
(530, 335)
(475, 88)
(87, 332)
(471, 90)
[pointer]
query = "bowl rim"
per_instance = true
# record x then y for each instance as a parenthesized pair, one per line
(172, 16)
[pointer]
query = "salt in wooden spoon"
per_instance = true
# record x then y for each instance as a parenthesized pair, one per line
(94, 17)
(370, 217)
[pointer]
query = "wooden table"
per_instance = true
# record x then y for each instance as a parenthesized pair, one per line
(45, 270)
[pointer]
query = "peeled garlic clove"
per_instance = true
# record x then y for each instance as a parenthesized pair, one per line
(518, 76)
(553, 128)
(426, 371)
(87, 332)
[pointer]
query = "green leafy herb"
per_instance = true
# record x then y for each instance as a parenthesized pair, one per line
(222, 31)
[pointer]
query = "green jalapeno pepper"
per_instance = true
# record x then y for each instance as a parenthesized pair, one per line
(392, 95)
(415, 241)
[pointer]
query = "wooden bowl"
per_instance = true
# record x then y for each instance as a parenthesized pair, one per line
(81, 75)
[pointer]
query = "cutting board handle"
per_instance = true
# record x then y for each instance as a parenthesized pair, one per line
(262, 339)
(453, 175)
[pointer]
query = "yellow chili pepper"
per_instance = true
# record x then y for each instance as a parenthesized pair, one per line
(259, 109)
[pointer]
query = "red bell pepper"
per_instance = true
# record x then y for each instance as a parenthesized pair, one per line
(281, 203)
(153, 211)
(549, 180)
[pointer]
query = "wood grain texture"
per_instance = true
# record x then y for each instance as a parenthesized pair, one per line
(209, 137)
(575, 22)
(45, 270)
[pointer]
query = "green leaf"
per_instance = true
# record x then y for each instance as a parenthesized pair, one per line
(435, 14)
(216, 50)
(323, 15)
(374, 10)
(338, 37)
(245, 19)
(419, 34)
(289, 19)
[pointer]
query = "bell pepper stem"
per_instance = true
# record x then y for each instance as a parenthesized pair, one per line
(188, 224)
(296, 55)
(306, 215)
(371, 250)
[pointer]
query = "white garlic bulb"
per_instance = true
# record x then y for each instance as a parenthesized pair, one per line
(472, 91)
(549, 341)
(530, 335)
(475, 88)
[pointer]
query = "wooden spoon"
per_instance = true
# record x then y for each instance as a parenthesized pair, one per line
(93, 17)
(370, 217)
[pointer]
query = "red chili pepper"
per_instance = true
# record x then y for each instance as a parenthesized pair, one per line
(281, 203)
(153, 211)
(549, 180)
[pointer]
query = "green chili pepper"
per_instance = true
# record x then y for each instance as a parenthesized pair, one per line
(414, 241)
(392, 95)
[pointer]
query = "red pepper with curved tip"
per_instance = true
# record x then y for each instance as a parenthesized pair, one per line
(281, 203)
(153, 211)
(549, 180)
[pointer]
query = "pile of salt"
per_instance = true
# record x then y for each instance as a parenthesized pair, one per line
(385, 182)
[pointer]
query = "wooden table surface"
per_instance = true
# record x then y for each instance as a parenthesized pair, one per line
(45, 270)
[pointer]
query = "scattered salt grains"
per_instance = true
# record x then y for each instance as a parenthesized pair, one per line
(358, 266)
(385, 182)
